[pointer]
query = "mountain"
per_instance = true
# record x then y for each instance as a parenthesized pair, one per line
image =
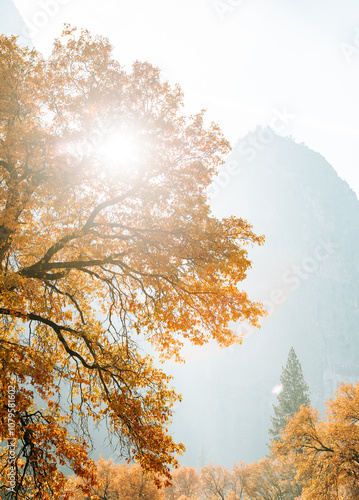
(11, 22)
(306, 274)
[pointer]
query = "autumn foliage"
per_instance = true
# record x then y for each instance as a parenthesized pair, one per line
(185, 484)
(270, 479)
(128, 482)
(97, 249)
(314, 459)
(117, 482)
(264, 480)
(325, 452)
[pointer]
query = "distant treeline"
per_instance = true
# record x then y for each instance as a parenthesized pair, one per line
(313, 459)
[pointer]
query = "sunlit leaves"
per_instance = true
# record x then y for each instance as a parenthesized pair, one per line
(94, 253)
(116, 482)
(325, 452)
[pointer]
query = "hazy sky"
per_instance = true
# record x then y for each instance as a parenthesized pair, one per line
(243, 60)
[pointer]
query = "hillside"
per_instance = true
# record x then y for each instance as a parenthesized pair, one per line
(307, 276)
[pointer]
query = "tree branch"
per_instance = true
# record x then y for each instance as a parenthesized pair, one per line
(57, 329)
(40, 269)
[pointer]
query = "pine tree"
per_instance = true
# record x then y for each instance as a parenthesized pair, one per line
(294, 394)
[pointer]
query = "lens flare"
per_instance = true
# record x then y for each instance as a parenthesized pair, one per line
(119, 148)
(277, 389)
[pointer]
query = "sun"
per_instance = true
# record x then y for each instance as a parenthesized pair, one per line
(119, 148)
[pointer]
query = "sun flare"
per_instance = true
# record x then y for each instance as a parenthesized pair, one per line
(119, 148)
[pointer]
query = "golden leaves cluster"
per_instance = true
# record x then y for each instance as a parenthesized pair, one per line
(325, 451)
(96, 254)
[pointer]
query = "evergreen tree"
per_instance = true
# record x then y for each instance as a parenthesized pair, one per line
(294, 394)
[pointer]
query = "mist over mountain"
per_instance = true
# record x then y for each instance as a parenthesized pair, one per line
(11, 22)
(306, 275)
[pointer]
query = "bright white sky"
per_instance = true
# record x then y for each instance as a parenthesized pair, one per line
(239, 59)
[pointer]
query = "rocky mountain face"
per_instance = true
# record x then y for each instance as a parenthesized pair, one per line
(11, 22)
(306, 275)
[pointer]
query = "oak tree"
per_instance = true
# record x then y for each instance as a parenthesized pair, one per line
(325, 452)
(118, 482)
(270, 479)
(221, 483)
(185, 484)
(105, 234)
